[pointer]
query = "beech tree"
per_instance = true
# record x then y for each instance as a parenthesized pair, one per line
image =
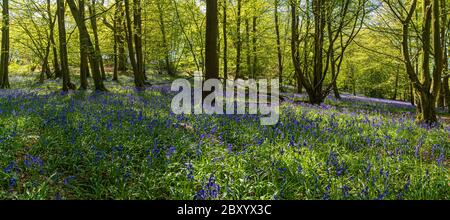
(427, 80)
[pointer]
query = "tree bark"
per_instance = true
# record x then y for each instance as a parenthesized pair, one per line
(225, 41)
(162, 26)
(137, 14)
(84, 65)
(93, 56)
(51, 22)
(279, 52)
(212, 27)
(139, 80)
(4, 69)
(255, 48)
(239, 41)
(295, 45)
(248, 48)
(93, 18)
(63, 46)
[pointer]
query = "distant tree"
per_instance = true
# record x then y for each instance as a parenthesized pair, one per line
(162, 27)
(335, 26)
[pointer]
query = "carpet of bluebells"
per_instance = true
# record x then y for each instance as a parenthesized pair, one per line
(127, 145)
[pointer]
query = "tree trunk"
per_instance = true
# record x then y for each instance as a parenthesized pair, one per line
(51, 23)
(137, 12)
(397, 78)
(248, 48)
(116, 41)
(93, 56)
(445, 45)
(315, 96)
(84, 65)
(162, 26)
(225, 41)
(279, 52)
(212, 57)
(295, 46)
(255, 48)
(93, 17)
(63, 46)
(239, 41)
(138, 77)
(122, 58)
(428, 87)
(45, 70)
(137, 22)
(4, 69)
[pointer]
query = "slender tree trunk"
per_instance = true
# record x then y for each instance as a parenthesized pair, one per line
(137, 14)
(225, 41)
(295, 45)
(397, 78)
(316, 96)
(138, 78)
(84, 65)
(93, 17)
(51, 23)
(63, 46)
(445, 44)
(255, 48)
(189, 41)
(239, 41)
(116, 41)
(248, 48)
(45, 71)
(121, 37)
(93, 57)
(4, 69)
(279, 52)
(331, 52)
(162, 26)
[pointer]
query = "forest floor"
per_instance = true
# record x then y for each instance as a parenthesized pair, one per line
(128, 145)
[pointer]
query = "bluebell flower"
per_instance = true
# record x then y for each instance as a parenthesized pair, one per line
(368, 168)
(345, 191)
(12, 182)
(190, 170)
(170, 151)
(326, 195)
(69, 179)
(10, 167)
(300, 168)
(58, 196)
(407, 185)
